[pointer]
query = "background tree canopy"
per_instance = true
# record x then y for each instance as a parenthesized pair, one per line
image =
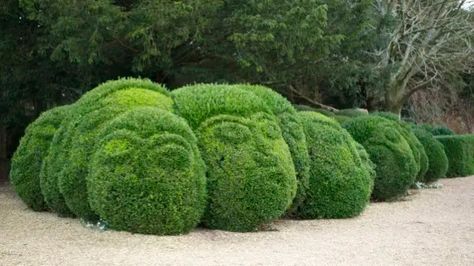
(312, 51)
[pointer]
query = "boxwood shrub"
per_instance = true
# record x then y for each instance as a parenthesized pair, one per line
(60, 176)
(251, 178)
(460, 152)
(438, 130)
(395, 165)
(416, 147)
(438, 162)
(28, 158)
(340, 183)
(147, 175)
(293, 133)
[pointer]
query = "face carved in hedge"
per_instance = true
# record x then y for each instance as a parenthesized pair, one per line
(150, 170)
(248, 149)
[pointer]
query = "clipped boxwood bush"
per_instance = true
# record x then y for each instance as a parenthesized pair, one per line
(293, 133)
(251, 179)
(460, 152)
(438, 130)
(340, 183)
(28, 158)
(438, 162)
(395, 165)
(416, 147)
(147, 175)
(58, 160)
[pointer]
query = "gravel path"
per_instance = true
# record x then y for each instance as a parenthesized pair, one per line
(430, 227)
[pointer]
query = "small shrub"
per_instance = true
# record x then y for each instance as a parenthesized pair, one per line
(251, 179)
(293, 133)
(438, 130)
(28, 158)
(438, 162)
(395, 165)
(460, 152)
(340, 183)
(147, 175)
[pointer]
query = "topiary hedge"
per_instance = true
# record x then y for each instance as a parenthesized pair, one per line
(416, 147)
(58, 169)
(147, 175)
(28, 158)
(293, 133)
(438, 162)
(460, 152)
(340, 183)
(438, 130)
(395, 165)
(251, 179)
(83, 134)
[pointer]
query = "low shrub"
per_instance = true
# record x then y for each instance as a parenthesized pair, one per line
(389, 151)
(416, 147)
(438, 162)
(28, 158)
(293, 133)
(340, 183)
(147, 175)
(438, 130)
(460, 152)
(251, 178)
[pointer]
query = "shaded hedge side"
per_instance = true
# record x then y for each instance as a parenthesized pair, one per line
(460, 152)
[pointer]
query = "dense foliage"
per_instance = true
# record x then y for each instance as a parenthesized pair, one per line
(29, 156)
(147, 175)
(340, 182)
(460, 152)
(438, 161)
(251, 178)
(438, 130)
(396, 167)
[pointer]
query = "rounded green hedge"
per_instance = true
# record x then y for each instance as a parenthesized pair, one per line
(58, 160)
(147, 175)
(83, 135)
(438, 130)
(251, 179)
(438, 161)
(340, 183)
(395, 165)
(460, 152)
(28, 158)
(416, 147)
(293, 133)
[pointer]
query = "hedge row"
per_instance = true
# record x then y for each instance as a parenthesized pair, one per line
(460, 152)
(231, 157)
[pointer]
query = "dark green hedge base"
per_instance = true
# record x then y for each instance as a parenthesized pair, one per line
(340, 182)
(251, 178)
(396, 168)
(438, 161)
(147, 175)
(29, 156)
(460, 152)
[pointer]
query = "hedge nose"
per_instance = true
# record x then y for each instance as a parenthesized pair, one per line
(460, 152)
(147, 175)
(395, 165)
(340, 181)
(251, 179)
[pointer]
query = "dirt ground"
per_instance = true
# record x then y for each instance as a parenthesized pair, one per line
(430, 227)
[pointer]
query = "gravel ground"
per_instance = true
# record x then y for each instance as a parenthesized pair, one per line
(429, 227)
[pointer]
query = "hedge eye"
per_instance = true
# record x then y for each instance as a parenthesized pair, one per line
(232, 133)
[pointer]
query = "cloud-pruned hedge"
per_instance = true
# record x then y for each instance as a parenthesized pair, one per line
(340, 182)
(251, 178)
(460, 152)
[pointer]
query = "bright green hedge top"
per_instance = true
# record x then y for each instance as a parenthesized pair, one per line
(340, 183)
(28, 158)
(147, 175)
(83, 132)
(395, 165)
(416, 147)
(251, 179)
(293, 133)
(61, 176)
(438, 161)
(460, 152)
